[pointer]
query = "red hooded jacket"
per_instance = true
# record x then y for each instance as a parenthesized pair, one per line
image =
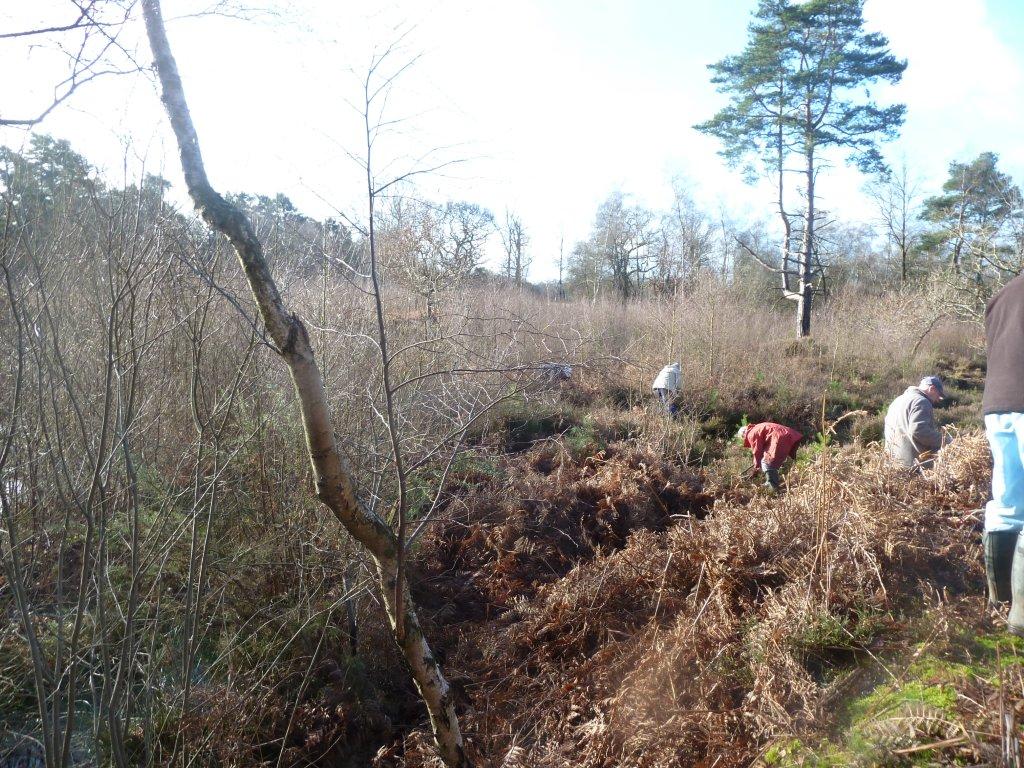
(772, 442)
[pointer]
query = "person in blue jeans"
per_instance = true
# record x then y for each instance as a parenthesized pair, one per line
(666, 387)
(1003, 405)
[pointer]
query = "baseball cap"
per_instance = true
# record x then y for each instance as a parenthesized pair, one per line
(933, 381)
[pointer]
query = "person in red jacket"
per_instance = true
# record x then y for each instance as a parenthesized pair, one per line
(771, 445)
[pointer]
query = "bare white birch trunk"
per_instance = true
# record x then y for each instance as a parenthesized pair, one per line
(286, 330)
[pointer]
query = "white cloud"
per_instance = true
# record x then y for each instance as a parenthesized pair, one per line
(962, 85)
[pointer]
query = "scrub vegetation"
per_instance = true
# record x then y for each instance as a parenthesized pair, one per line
(599, 582)
(283, 491)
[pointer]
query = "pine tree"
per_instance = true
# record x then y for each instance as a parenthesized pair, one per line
(800, 88)
(977, 216)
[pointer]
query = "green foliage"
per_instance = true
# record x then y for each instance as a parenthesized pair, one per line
(17, 687)
(466, 470)
(977, 219)
(824, 634)
(812, 448)
(799, 87)
(791, 88)
(886, 718)
(975, 193)
(523, 423)
(49, 165)
(48, 179)
(915, 703)
(1008, 646)
(868, 428)
(583, 439)
(791, 752)
(889, 697)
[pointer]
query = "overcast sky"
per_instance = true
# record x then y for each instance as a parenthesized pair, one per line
(551, 104)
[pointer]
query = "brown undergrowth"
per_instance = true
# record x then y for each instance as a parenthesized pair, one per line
(541, 513)
(619, 612)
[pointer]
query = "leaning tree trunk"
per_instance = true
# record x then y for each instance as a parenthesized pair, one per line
(333, 483)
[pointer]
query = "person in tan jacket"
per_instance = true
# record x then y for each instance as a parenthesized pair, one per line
(911, 436)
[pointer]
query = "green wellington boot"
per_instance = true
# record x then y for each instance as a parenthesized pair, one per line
(999, 548)
(1015, 623)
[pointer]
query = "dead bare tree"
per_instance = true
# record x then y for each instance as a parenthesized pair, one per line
(897, 200)
(514, 241)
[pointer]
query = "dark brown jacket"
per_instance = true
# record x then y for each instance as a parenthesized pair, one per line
(1004, 336)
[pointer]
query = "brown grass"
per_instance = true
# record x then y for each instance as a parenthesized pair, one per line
(695, 643)
(585, 612)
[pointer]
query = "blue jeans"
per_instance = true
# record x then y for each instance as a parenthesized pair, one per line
(1005, 433)
(667, 399)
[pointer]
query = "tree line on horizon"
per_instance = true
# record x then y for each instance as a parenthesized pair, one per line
(800, 96)
(969, 233)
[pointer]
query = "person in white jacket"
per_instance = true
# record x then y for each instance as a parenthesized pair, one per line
(666, 385)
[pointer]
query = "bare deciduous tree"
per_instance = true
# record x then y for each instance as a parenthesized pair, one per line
(514, 241)
(85, 43)
(619, 250)
(443, 245)
(288, 333)
(687, 241)
(897, 200)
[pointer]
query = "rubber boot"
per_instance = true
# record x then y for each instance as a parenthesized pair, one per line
(999, 549)
(771, 476)
(1015, 622)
